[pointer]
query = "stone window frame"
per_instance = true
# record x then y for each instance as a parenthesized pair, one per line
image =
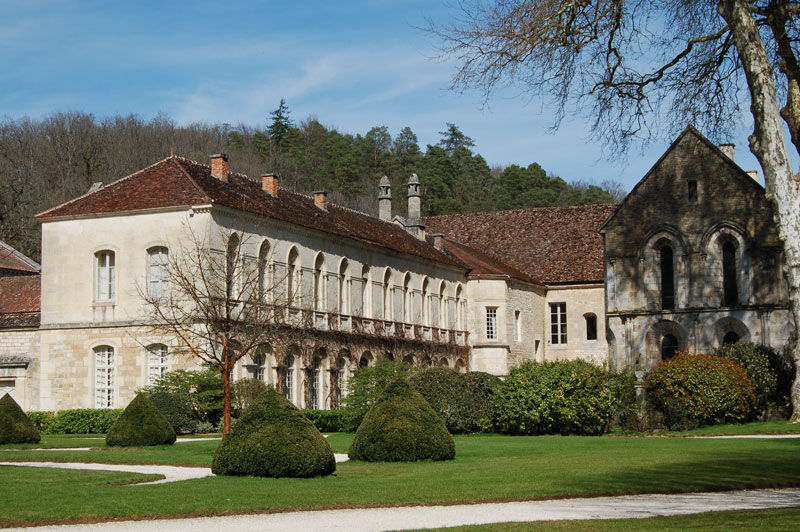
(713, 240)
(558, 336)
(105, 369)
(492, 330)
(344, 292)
(591, 316)
(264, 264)
(158, 272)
(161, 365)
(649, 255)
(320, 288)
(105, 275)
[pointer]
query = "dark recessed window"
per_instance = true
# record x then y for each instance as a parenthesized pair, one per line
(692, 192)
(667, 279)
(730, 292)
(669, 346)
(591, 327)
(730, 338)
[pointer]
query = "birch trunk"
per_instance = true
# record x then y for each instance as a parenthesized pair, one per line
(768, 145)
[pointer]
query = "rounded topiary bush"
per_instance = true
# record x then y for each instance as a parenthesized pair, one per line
(15, 427)
(141, 423)
(458, 399)
(769, 371)
(402, 427)
(696, 390)
(487, 382)
(566, 397)
(272, 438)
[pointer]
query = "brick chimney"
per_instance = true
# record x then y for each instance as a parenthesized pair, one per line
(321, 199)
(219, 166)
(729, 150)
(269, 182)
(437, 240)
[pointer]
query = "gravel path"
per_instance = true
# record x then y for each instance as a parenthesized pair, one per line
(171, 473)
(383, 519)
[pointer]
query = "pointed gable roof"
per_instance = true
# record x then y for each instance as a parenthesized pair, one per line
(11, 259)
(179, 182)
(690, 133)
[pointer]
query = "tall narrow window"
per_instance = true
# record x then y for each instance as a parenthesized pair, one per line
(426, 303)
(692, 192)
(105, 275)
(319, 283)
(231, 258)
(387, 295)
(591, 327)
(669, 346)
(288, 379)
(442, 307)
(558, 323)
(667, 278)
(156, 362)
(366, 292)
(158, 278)
(344, 287)
(459, 308)
(407, 299)
(341, 380)
(491, 323)
(263, 272)
(730, 291)
(292, 277)
(518, 325)
(104, 376)
(316, 378)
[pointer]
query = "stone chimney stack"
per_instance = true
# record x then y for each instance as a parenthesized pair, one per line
(269, 182)
(321, 199)
(729, 150)
(414, 223)
(219, 166)
(385, 199)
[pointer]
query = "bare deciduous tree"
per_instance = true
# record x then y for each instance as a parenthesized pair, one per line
(640, 68)
(219, 305)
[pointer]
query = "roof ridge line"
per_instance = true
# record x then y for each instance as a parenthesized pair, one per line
(522, 209)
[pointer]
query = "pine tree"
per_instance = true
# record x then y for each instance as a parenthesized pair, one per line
(281, 123)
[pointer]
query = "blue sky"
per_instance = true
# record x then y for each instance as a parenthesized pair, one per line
(351, 64)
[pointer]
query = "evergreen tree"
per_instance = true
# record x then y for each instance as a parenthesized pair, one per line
(453, 138)
(406, 147)
(281, 123)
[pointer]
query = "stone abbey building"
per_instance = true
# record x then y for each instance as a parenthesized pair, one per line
(689, 260)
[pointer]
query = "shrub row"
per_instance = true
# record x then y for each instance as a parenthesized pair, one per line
(76, 421)
(341, 420)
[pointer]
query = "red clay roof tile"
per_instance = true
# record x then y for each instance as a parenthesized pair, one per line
(20, 294)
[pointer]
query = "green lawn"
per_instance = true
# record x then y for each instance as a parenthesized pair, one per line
(782, 519)
(758, 427)
(487, 467)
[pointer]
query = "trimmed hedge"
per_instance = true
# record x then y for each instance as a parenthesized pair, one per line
(140, 424)
(769, 371)
(696, 390)
(76, 421)
(402, 427)
(341, 420)
(566, 397)
(15, 427)
(273, 438)
(458, 399)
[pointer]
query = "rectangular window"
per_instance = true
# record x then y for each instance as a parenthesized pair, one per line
(105, 275)
(491, 323)
(315, 389)
(156, 362)
(288, 383)
(558, 323)
(591, 327)
(518, 325)
(158, 275)
(692, 192)
(104, 377)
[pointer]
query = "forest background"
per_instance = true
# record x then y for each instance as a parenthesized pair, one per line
(52, 160)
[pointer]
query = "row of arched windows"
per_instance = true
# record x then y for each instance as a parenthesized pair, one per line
(432, 298)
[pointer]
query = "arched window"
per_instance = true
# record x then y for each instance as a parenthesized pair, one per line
(293, 277)
(366, 292)
(259, 368)
(344, 287)
(157, 364)
(730, 338)
(158, 272)
(387, 294)
(231, 258)
(365, 360)
(730, 291)
(319, 283)
(105, 276)
(341, 378)
(316, 382)
(459, 309)
(426, 302)
(263, 272)
(104, 376)
(667, 278)
(591, 326)
(407, 298)
(669, 346)
(288, 379)
(442, 307)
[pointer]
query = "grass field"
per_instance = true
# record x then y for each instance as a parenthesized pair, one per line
(779, 520)
(760, 427)
(487, 467)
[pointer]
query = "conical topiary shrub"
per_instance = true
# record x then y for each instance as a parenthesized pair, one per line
(141, 423)
(273, 438)
(402, 427)
(15, 427)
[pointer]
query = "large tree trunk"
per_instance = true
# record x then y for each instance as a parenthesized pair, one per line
(226, 391)
(768, 145)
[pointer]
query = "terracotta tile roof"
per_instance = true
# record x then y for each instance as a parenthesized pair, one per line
(11, 259)
(552, 245)
(20, 294)
(481, 264)
(29, 320)
(176, 182)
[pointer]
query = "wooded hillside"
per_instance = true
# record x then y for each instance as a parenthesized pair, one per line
(46, 162)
